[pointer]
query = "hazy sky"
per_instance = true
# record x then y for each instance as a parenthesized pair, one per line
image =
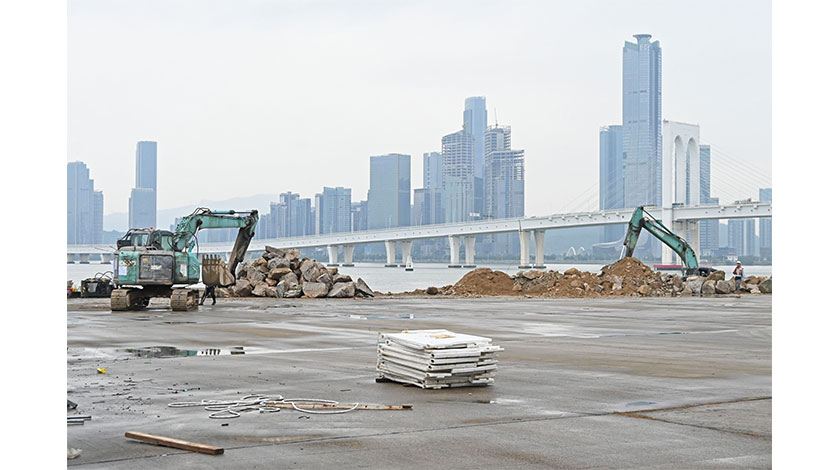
(247, 97)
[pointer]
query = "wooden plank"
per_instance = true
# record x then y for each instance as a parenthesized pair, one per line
(340, 406)
(176, 443)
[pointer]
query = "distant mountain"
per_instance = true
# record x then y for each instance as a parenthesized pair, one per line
(166, 217)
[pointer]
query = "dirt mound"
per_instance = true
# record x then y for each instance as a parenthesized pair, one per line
(630, 269)
(484, 281)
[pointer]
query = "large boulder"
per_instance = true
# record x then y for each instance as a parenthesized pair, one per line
(572, 272)
(332, 271)
(290, 253)
(695, 283)
(278, 273)
(308, 270)
(708, 287)
(242, 288)
(325, 279)
(262, 290)
(254, 275)
(278, 262)
(259, 262)
(271, 282)
(766, 286)
(315, 289)
(290, 279)
(342, 278)
(677, 282)
(293, 291)
(281, 288)
(363, 289)
(645, 290)
(343, 290)
(716, 276)
(723, 287)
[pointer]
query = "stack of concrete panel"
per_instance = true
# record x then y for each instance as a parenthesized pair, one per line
(436, 358)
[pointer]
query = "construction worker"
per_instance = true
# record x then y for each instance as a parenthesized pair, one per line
(739, 273)
(211, 291)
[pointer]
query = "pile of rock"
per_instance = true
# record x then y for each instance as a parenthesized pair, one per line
(627, 277)
(282, 273)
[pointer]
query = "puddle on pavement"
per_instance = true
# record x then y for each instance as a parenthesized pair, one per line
(171, 351)
(641, 403)
(409, 316)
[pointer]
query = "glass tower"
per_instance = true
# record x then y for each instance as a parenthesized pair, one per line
(389, 196)
(642, 121)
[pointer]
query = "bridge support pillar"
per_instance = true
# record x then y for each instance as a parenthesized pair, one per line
(469, 251)
(71, 259)
(405, 247)
(332, 253)
(539, 249)
(391, 254)
(524, 249)
(107, 258)
(348, 255)
(84, 258)
(667, 256)
(454, 251)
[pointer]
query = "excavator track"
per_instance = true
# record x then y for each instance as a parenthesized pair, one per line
(128, 299)
(184, 300)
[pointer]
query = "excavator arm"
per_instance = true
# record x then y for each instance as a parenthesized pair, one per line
(203, 218)
(642, 220)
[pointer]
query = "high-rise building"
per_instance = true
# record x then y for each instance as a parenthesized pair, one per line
(428, 206)
(81, 206)
(389, 196)
(290, 216)
(642, 121)
(475, 123)
(359, 213)
(504, 175)
(332, 211)
(709, 231)
(458, 177)
(98, 217)
(611, 178)
(142, 205)
(735, 236)
(432, 170)
(765, 226)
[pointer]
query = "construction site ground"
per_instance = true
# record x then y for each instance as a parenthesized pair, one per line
(659, 383)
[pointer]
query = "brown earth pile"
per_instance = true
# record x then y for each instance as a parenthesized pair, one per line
(627, 277)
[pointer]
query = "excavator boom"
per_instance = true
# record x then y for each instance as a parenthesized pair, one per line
(642, 220)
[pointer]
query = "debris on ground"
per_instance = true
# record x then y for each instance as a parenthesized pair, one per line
(229, 409)
(73, 453)
(436, 359)
(283, 273)
(626, 277)
(176, 443)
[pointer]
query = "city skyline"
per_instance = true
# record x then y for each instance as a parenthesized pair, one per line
(554, 110)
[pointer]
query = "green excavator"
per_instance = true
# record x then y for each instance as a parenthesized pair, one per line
(159, 263)
(641, 219)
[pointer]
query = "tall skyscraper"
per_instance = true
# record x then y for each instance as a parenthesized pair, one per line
(98, 217)
(142, 205)
(84, 212)
(291, 215)
(475, 123)
(332, 211)
(735, 236)
(504, 175)
(458, 177)
(611, 181)
(765, 226)
(359, 213)
(432, 170)
(642, 121)
(389, 196)
(709, 231)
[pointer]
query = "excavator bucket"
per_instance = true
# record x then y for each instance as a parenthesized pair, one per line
(214, 272)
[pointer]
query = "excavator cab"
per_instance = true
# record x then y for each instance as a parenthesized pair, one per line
(150, 239)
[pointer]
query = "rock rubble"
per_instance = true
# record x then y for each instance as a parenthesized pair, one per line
(283, 274)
